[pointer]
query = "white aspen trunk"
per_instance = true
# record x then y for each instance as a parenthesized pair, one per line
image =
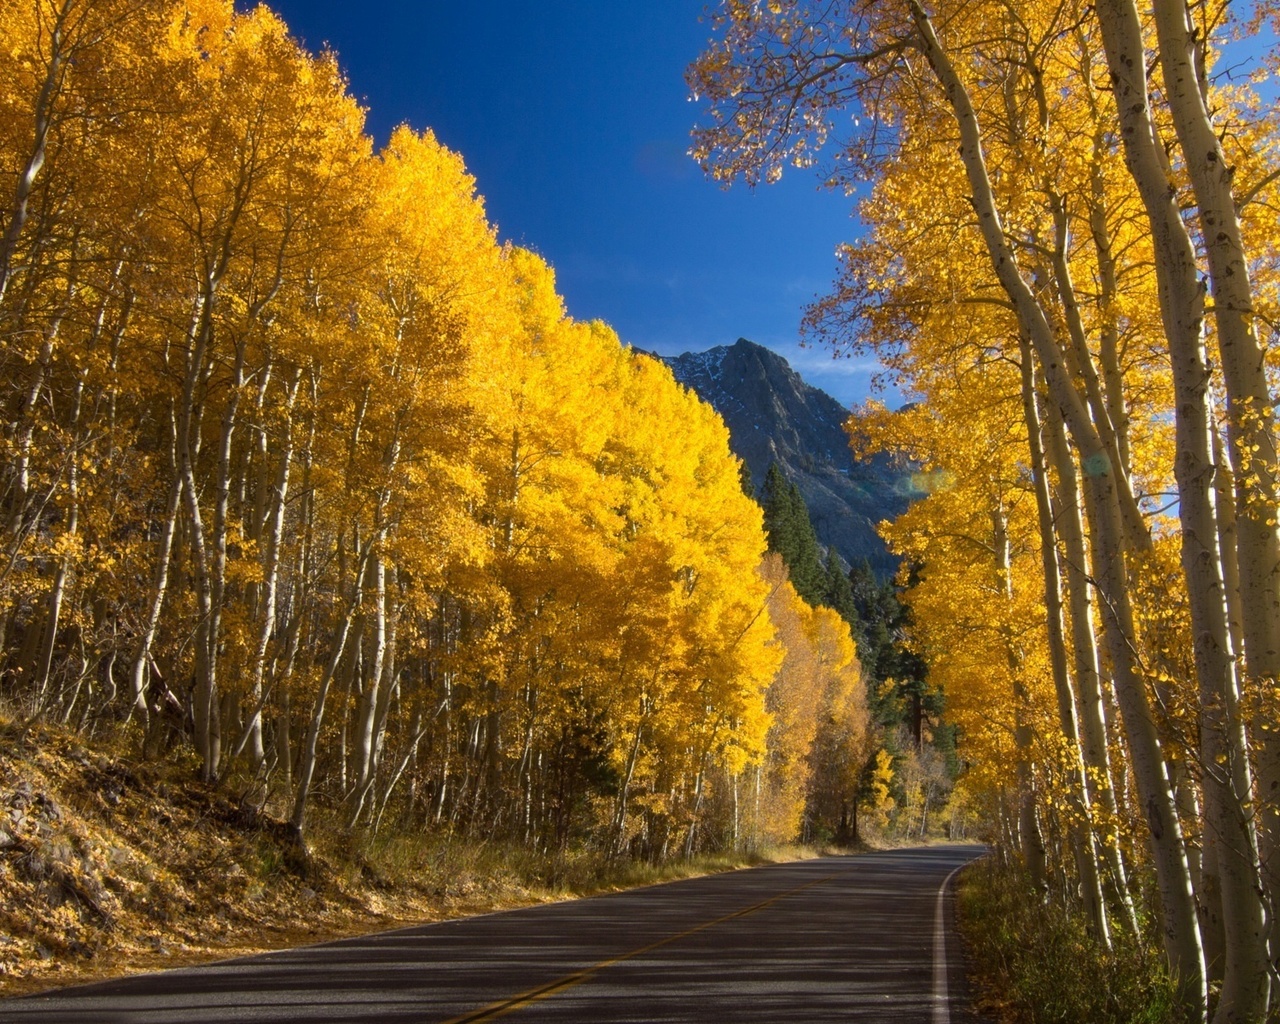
(273, 535)
(620, 815)
(376, 690)
(447, 739)
(207, 682)
(367, 713)
(1225, 780)
(1092, 706)
(159, 588)
(1083, 850)
(388, 692)
(1030, 840)
(53, 616)
(307, 755)
(57, 591)
(187, 446)
(50, 86)
(256, 458)
(691, 835)
(20, 472)
(301, 591)
(1250, 414)
(1224, 483)
(1080, 363)
(205, 711)
(526, 772)
(419, 730)
(1182, 931)
(1107, 282)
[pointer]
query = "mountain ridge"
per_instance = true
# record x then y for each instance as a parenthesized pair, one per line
(774, 415)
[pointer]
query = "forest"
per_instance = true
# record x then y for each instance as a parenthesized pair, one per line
(1069, 261)
(313, 487)
(314, 490)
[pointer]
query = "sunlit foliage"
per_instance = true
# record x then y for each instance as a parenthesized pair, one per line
(310, 480)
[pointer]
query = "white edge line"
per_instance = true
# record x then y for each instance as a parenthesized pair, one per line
(941, 999)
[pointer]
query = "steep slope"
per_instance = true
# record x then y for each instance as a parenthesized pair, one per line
(774, 416)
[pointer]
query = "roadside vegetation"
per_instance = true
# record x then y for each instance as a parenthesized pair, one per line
(311, 484)
(110, 865)
(1034, 961)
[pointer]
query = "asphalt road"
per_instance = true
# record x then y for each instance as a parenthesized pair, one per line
(865, 938)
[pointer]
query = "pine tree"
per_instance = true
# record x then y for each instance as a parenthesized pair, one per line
(804, 558)
(790, 533)
(775, 499)
(839, 592)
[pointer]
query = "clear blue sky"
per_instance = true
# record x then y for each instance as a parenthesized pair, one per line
(574, 117)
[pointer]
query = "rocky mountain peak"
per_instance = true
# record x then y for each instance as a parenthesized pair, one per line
(773, 415)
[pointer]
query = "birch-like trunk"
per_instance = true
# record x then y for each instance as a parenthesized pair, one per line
(307, 755)
(272, 540)
(215, 580)
(1225, 771)
(44, 667)
(19, 472)
(187, 446)
(50, 87)
(1030, 839)
(367, 712)
(1250, 418)
(1083, 849)
(1092, 705)
(624, 791)
(1181, 931)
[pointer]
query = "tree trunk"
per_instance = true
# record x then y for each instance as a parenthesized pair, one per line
(1083, 850)
(1085, 658)
(1182, 934)
(272, 540)
(1030, 840)
(370, 700)
(1225, 779)
(1250, 418)
(50, 86)
(307, 756)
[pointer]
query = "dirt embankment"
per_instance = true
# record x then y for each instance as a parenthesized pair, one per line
(109, 867)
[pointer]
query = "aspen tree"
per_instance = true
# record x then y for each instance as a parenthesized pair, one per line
(1226, 770)
(1250, 422)
(775, 109)
(297, 447)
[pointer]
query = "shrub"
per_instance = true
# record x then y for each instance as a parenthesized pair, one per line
(1034, 960)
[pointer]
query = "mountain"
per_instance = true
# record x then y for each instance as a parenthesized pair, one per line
(774, 416)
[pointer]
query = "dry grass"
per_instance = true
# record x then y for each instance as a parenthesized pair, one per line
(111, 867)
(1032, 961)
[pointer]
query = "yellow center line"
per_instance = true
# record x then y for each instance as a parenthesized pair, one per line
(500, 1009)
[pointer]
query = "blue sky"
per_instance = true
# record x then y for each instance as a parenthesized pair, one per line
(574, 117)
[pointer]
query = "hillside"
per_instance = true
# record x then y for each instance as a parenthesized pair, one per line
(111, 866)
(774, 416)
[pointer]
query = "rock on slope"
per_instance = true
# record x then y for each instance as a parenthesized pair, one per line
(774, 416)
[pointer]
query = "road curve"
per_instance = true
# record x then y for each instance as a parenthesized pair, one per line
(865, 938)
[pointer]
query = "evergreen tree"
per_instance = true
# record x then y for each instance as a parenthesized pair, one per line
(790, 533)
(839, 593)
(775, 499)
(882, 621)
(804, 558)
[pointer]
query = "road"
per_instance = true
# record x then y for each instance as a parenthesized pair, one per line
(865, 938)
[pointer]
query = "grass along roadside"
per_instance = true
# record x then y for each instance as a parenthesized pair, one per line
(1032, 961)
(109, 867)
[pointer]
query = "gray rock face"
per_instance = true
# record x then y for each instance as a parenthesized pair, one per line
(774, 416)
